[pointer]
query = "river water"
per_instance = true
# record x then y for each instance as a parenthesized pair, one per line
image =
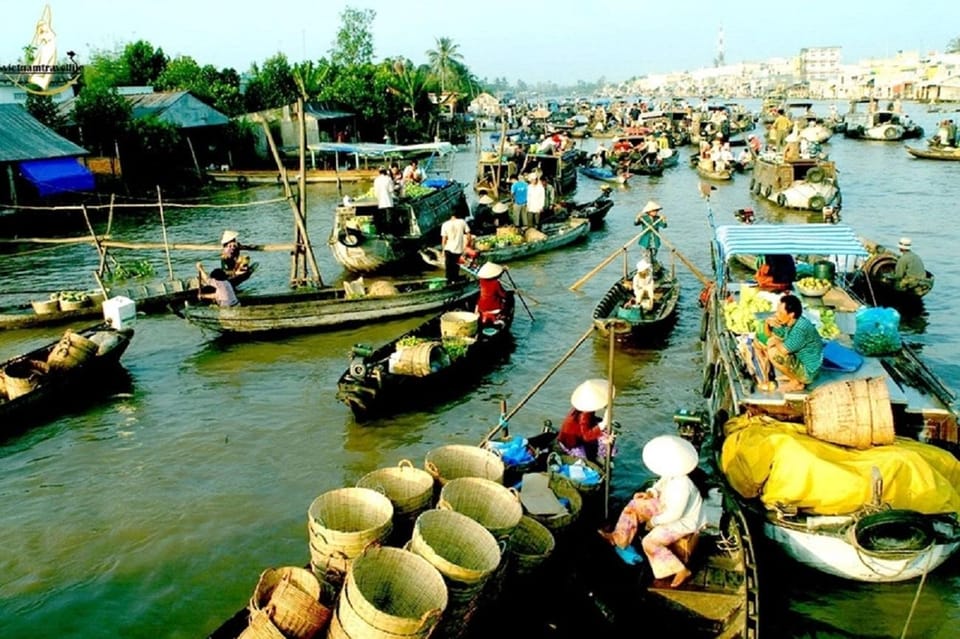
(151, 514)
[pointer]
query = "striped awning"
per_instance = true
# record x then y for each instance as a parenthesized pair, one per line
(789, 239)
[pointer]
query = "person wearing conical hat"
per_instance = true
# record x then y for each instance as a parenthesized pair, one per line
(644, 285)
(230, 260)
(652, 221)
(583, 431)
(671, 509)
(493, 297)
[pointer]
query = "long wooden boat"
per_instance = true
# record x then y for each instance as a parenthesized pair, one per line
(328, 308)
(421, 365)
(882, 408)
(594, 210)
(500, 249)
(363, 241)
(631, 324)
(950, 154)
(605, 174)
(45, 389)
(152, 297)
(706, 171)
(246, 177)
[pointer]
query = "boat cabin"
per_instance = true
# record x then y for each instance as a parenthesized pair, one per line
(780, 175)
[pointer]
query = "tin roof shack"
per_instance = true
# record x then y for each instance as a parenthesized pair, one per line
(322, 124)
(35, 161)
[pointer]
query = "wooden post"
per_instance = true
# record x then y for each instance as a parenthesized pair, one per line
(503, 137)
(301, 265)
(13, 185)
(163, 227)
(101, 251)
(609, 420)
(196, 164)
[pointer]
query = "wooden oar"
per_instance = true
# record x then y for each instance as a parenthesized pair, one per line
(517, 290)
(602, 264)
(504, 419)
(683, 258)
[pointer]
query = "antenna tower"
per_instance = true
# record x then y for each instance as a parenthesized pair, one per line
(719, 61)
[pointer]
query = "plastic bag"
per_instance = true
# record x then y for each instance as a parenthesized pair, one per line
(878, 331)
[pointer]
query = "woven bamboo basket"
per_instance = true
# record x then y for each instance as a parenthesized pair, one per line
(20, 378)
(45, 307)
(260, 626)
(531, 544)
(458, 460)
(459, 324)
(291, 598)
(71, 351)
(585, 489)
(346, 521)
(563, 488)
(854, 413)
(391, 592)
(456, 545)
(410, 489)
(493, 506)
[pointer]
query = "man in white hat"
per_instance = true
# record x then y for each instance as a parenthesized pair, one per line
(672, 509)
(583, 431)
(644, 285)
(652, 221)
(909, 271)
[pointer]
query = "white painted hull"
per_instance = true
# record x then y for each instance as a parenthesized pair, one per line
(817, 133)
(800, 195)
(835, 555)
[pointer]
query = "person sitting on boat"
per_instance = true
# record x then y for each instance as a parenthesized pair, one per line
(776, 272)
(909, 271)
(644, 285)
(792, 344)
(651, 221)
(493, 297)
(412, 174)
(670, 510)
(216, 286)
(744, 159)
(583, 433)
(230, 260)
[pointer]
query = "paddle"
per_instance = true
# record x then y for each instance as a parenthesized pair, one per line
(517, 290)
(683, 258)
(602, 264)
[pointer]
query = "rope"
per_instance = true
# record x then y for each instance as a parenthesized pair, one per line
(916, 596)
(145, 205)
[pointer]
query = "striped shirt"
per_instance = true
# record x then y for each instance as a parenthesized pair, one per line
(803, 341)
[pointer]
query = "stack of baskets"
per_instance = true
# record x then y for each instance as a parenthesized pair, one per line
(531, 544)
(342, 523)
(458, 460)
(409, 489)
(389, 594)
(490, 504)
(287, 603)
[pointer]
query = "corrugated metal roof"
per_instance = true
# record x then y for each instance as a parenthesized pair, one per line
(789, 239)
(179, 108)
(23, 137)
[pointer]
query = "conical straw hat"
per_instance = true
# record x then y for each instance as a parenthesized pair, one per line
(670, 456)
(489, 271)
(590, 396)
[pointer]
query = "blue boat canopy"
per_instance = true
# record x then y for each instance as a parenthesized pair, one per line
(57, 175)
(789, 239)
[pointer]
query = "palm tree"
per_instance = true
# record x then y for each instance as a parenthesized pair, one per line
(442, 60)
(408, 84)
(310, 78)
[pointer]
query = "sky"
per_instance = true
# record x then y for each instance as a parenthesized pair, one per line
(561, 41)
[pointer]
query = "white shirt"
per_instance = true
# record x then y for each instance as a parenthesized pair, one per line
(383, 191)
(536, 197)
(454, 233)
(682, 505)
(643, 288)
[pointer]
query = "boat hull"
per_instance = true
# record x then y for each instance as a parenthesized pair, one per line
(610, 315)
(949, 155)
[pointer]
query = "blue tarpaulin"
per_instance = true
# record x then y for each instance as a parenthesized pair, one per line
(57, 175)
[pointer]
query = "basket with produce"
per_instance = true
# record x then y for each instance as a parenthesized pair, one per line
(813, 286)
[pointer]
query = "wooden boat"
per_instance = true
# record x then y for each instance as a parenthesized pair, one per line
(363, 241)
(422, 365)
(808, 184)
(706, 171)
(594, 210)
(34, 385)
(605, 174)
(246, 177)
(897, 534)
(809, 126)
(328, 308)
(509, 246)
(630, 324)
(153, 297)
(948, 153)
(871, 123)
(872, 281)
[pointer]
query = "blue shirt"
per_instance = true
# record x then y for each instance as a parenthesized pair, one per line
(519, 192)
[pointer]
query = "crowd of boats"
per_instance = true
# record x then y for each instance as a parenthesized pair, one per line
(855, 475)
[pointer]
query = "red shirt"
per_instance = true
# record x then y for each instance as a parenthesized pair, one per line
(492, 296)
(579, 428)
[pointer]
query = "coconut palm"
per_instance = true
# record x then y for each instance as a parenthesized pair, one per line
(310, 78)
(442, 60)
(408, 83)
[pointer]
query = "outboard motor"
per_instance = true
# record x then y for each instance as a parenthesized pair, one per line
(745, 216)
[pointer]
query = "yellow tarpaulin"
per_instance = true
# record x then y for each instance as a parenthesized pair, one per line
(781, 464)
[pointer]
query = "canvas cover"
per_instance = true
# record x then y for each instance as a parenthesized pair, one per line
(779, 463)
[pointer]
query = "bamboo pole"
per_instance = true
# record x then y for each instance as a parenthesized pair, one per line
(178, 246)
(301, 237)
(101, 251)
(102, 267)
(505, 418)
(83, 239)
(602, 264)
(163, 228)
(193, 155)
(517, 289)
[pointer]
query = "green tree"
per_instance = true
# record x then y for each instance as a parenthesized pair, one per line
(409, 84)
(105, 70)
(102, 116)
(272, 84)
(310, 78)
(954, 45)
(180, 74)
(354, 43)
(444, 62)
(43, 108)
(144, 64)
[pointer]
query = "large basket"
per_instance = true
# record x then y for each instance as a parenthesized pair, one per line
(391, 592)
(259, 626)
(564, 489)
(855, 413)
(458, 460)
(409, 489)
(71, 351)
(45, 307)
(531, 544)
(571, 460)
(291, 598)
(346, 521)
(20, 378)
(456, 545)
(490, 504)
(418, 360)
(459, 324)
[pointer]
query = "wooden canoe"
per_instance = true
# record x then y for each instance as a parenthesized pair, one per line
(245, 177)
(949, 154)
(55, 387)
(327, 308)
(629, 323)
(375, 384)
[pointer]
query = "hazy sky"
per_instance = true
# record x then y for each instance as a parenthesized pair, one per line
(535, 40)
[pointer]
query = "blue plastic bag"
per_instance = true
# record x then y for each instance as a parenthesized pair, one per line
(878, 331)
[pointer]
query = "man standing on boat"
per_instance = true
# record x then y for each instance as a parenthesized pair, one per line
(454, 238)
(779, 130)
(518, 191)
(536, 200)
(383, 191)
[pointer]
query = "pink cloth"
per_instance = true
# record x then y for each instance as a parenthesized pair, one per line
(656, 543)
